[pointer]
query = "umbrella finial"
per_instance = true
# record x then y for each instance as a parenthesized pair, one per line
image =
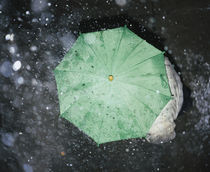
(110, 77)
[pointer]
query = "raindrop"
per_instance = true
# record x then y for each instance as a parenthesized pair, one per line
(152, 20)
(34, 82)
(27, 168)
(12, 50)
(8, 139)
(20, 80)
(166, 48)
(38, 5)
(157, 91)
(27, 12)
(9, 37)
(170, 51)
(28, 67)
(6, 69)
(90, 38)
(33, 48)
(16, 66)
(121, 2)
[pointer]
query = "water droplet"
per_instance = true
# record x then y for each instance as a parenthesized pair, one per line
(9, 37)
(17, 65)
(33, 48)
(8, 139)
(27, 168)
(20, 80)
(6, 69)
(12, 50)
(27, 12)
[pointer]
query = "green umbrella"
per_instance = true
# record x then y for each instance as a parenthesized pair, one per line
(112, 85)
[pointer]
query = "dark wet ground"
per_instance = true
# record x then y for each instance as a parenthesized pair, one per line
(34, 38)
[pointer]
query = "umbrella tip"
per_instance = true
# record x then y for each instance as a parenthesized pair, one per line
(110, 77)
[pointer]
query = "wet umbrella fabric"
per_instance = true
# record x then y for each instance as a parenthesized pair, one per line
(112, 85)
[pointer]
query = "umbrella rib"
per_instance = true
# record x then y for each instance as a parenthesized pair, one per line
(131, 52)
(142, 87)
(143, 75)
(147, 59)
(127, 105)
(98, 84)
(103, 118)
(102, 38)
(140, 63)
(96, 55)
(85, 73)
(139, 100)
(83, 122)
(120, 40)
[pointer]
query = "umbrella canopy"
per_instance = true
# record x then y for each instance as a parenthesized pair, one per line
(112, 85)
